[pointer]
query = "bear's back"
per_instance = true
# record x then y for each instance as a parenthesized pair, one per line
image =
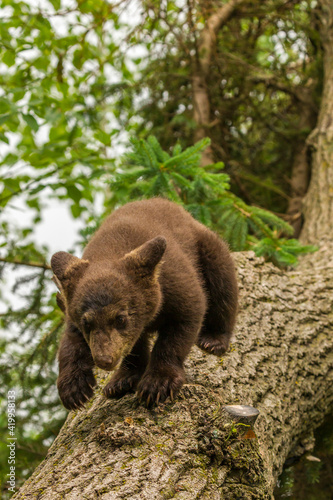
(137, 222)
(155, 212)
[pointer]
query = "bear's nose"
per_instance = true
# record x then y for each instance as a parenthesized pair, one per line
(104, 362)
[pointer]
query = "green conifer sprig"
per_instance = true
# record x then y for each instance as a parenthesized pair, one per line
(148, 171)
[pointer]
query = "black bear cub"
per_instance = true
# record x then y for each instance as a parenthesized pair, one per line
(150, 268)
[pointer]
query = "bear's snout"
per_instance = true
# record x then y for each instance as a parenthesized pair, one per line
(104, 362)
(106, 349)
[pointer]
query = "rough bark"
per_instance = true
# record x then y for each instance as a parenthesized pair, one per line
(281, 362)
(318, 206)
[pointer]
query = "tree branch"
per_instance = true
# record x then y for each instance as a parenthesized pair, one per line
(206, 44)
(279, 363)
(208, 35)
(17, 262)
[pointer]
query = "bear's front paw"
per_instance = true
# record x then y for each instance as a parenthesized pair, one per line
(121, 383)
(76, 388)
(157, 385)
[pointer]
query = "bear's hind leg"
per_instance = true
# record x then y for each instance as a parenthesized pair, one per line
(130, 371)
(218, 272)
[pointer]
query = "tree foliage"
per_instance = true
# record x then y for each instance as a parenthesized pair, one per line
(205, 192)
(266, 63)
(77, 80)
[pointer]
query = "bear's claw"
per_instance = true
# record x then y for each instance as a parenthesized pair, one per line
(121, 384)
(75, 390)
(214, 345)
(156, 387)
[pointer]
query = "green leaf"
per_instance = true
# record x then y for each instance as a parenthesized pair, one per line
(9, 58)
(76, 210)
(31, 121)
(4, 118)
(56, 4)
(3, 138)
(74, 193)
(103, 137)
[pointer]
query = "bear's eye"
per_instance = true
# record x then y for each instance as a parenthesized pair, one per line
(120, 322)
(87, 324)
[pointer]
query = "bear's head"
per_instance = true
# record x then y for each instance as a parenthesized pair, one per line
(111, 302)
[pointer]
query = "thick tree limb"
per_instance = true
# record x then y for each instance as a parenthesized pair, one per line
(281, 362)
(208, 35)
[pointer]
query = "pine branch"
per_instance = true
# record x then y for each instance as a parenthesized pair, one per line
(205, 193)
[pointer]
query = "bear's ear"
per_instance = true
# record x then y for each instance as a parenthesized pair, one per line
(67, 268)
(144, 260)
(61, 302)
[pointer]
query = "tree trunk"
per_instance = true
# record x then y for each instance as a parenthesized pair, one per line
(318, 206)
(281, 363)
(300, 171)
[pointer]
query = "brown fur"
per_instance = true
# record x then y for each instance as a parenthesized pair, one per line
(149, 268)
